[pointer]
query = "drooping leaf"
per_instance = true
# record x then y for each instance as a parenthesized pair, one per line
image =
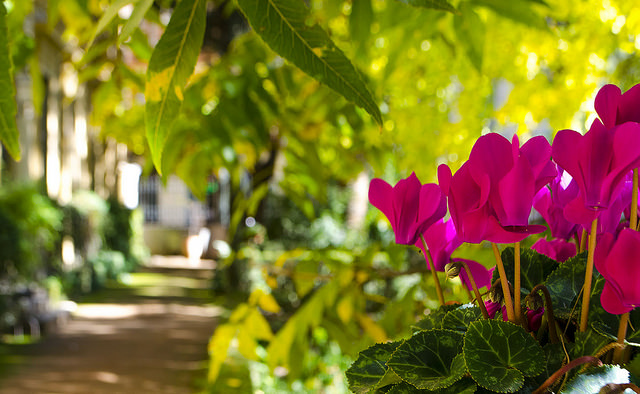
(565, 283)
(534, 267)
(460, 318)
(139, 10)
(430, 359)
(500, 354)
(368, 371)
(520, 11)
(435, 4)
(286, 26)
(593, 379)
(9, 134)
(106, 18)
(470, 31)
(170, 66)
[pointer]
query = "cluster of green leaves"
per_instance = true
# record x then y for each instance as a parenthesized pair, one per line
(455, 350)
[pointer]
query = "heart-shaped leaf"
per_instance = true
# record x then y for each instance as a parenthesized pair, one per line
(368, 371)
(564, 285)
(460, 318)
(464, 386)
(534, 267)
(435, 318)
(500, 354)
(430, 359)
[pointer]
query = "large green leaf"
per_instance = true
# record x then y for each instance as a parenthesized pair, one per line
(170, 66)
(435, 4)
(534, 267)
(460, 318)
(430, 359)
(8, 129)
(286, 26)
(368, 371)
(500, 354)
(435, 318)
(588, 343)
(464, 386)
(564, 285)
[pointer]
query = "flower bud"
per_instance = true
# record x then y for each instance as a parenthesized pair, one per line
(453, 269)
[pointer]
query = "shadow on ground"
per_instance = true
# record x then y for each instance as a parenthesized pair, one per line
(148, 334)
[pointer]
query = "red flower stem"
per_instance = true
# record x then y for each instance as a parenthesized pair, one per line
(433, 270)
(516, 284)
(504, 283)
(588, 276)
(633, 220)
(618, 353)
(566, 368)
(478, 298)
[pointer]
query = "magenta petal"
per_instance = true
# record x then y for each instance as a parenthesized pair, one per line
(498, 234)
(576, 212)
(566, 152)
(557, 249)
(611, 302)
(381, 197)
(623, 267)
(628, 106)
(491, 156)
(606, 104)
(481, 275)
(433, 205)
(516, 191)
(603, 248)
(444, 178)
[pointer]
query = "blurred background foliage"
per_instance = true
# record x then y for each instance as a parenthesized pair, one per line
(315, 280)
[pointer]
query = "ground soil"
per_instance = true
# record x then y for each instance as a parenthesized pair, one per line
(147, 337)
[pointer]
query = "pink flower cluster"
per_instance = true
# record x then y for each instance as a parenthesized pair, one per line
(575, 180)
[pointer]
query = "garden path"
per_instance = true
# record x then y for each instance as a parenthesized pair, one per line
(149, 336)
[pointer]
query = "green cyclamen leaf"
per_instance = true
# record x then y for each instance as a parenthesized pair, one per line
(286, 26)
(459, 319)
(8, 130)
(534, 267)
(593, 379)
(435, 318)
(430, 359)
(435, 4)
(170, 66)
(463, 386)
(368, 371)
(564, 285)
(500, 354)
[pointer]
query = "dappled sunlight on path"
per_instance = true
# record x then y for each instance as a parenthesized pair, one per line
(149, 336)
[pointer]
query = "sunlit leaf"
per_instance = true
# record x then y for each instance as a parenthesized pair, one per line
(218, 348)
(593, 379)
(430, 359)
(435, 4)
(107, 17)
(500, 354)
(139, 10)
(8, 130)
(520, 11)
(286, 26)
(471, 31)
(170, 66)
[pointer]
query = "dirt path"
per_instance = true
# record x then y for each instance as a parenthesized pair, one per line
(147, 337)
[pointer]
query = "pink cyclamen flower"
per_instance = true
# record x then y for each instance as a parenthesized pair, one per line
(551, 201)
(410, 206)
(557, 249)
(599, 160)
(442, 241)
(618, 261)
(615, 108)
(491, 195)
